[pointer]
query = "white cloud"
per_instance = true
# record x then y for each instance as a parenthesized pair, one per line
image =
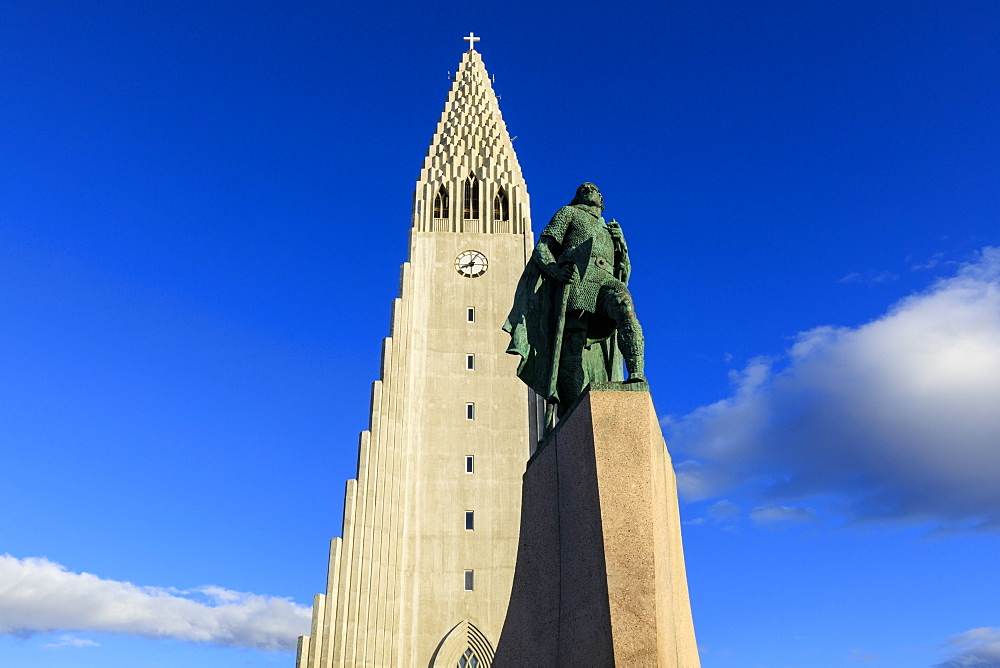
(41, 596)
(934, 261)
(772, 514)
(977, 647)
(862, 656)
(897, 419)
(723, 511)
(71, 641)
(869, 277)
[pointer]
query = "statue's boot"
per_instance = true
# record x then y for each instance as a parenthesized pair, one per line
(633, 347)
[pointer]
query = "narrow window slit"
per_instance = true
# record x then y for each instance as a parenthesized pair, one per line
(501, 205)
(441, 204)
(470, 208)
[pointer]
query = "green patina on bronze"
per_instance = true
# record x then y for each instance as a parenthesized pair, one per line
(575, 287)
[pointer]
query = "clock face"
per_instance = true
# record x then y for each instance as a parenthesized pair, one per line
(471, 264)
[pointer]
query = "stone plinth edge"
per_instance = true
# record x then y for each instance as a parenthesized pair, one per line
(600, 577)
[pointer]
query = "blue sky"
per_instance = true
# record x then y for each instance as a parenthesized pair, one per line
(203, 206)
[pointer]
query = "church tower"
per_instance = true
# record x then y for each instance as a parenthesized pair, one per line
(422, 573)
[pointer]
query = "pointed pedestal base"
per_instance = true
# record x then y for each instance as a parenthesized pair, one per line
(600, 577)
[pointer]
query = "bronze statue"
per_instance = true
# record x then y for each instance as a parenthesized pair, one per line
(573, 314)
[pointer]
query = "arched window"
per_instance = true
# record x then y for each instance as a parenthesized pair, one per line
(441, 203)
(468, 660)
(501, 207)
(471, 205)
(465, 646)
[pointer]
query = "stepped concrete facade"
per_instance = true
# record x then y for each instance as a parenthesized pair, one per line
(422, 573)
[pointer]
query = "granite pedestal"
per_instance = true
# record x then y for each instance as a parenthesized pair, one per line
(600, 577)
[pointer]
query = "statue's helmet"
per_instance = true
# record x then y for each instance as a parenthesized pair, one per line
(588, 193)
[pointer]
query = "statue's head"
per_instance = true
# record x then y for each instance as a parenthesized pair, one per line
(588, 193)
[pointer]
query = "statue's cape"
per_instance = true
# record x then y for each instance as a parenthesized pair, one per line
(532, 325)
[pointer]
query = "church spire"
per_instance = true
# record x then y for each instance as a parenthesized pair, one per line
(471, 180)
(421, 575)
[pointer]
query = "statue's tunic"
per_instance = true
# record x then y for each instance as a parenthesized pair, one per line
(577, 233)
(583, 239)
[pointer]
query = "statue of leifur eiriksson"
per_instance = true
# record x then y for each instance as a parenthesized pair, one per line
(573, 318)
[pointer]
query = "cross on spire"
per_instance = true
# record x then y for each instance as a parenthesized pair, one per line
(472, 39)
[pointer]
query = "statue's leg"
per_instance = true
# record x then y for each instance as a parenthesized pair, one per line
(618, 306)
(571, 374)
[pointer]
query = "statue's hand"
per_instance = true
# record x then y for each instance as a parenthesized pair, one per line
(615, 230)
(568, 273)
